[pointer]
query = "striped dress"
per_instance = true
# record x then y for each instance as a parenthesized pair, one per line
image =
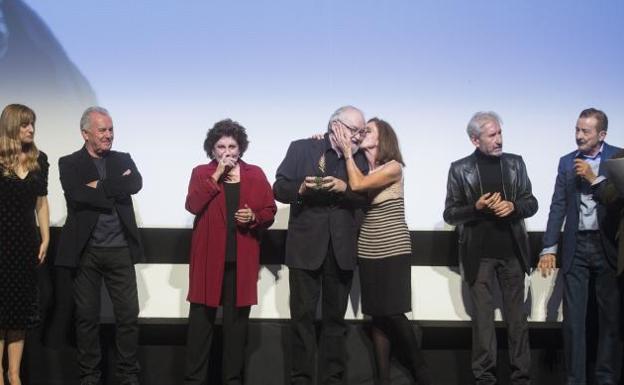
(384, 250)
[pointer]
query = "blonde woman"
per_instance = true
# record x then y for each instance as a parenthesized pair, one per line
(23, 206)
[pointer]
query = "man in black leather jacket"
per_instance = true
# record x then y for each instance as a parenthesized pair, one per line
(488, 197)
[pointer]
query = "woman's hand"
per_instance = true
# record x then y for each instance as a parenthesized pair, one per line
(244, 215)
(43, 251)
(343, 140)
(43, 220)
(225, 165)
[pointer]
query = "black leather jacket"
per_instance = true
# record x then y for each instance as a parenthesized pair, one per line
(464, 189)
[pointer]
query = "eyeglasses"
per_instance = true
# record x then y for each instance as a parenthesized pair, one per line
(354, 130)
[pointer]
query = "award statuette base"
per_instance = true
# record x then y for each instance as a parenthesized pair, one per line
(318, 181)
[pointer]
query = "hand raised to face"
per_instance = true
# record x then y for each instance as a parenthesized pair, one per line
(226, 165)
(584, 170)
(343, 140)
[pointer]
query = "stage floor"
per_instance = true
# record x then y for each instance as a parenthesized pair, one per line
(162, 355)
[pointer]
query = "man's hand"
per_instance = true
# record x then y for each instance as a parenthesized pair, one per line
(547, 264)
(334, 184)
(93, 184)
(487, 200)
(309, 183)
(584, 170)
(327, 183)
(503, 209)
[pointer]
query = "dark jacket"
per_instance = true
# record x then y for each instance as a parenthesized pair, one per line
(565, 205)
(85, 203)
(206, 200)
(316, 220)
(613, 225)
(464, 190)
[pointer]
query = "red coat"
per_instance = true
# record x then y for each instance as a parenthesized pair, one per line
(206, 200)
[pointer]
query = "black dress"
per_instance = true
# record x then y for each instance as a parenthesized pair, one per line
(19, 246)
(384, 255)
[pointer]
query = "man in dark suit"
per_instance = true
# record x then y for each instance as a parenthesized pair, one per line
(488, 196)
(587, 253)
(607, 194)
(100, 240)
(321, 246)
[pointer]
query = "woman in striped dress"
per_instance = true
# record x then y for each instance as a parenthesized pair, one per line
(384, 249)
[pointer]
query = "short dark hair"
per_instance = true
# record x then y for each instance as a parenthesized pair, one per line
(600, 116)
(226, 127)
(388, 147)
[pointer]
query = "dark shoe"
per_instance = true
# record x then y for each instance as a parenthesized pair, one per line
(90, 380)
(422, 376)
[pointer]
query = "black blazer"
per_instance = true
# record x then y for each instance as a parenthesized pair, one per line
(85, 203)
(612, 223)
(317, 219)
(463, 191)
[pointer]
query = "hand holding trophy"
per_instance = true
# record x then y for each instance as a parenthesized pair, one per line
(320, 173)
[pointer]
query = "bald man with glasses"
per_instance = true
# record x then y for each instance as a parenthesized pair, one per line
(321, 244)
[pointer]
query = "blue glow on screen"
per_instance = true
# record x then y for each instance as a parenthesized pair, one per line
(167, 70)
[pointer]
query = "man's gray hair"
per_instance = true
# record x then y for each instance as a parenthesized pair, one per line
(479, 119)
(337, 115)
(85, 120)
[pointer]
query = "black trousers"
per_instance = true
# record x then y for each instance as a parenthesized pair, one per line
(114, 266)
(306, 286)
(590, 265)
(200, 333)
(510, 277)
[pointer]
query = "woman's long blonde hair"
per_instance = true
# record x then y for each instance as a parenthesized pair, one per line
(14, 117)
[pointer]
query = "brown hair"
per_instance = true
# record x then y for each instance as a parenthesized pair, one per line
(388, 147)
(14, 117)
(601, 117)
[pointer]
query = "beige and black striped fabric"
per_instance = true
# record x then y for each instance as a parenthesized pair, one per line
(384, 232)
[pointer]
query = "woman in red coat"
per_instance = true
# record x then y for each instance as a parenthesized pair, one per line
(232, 202)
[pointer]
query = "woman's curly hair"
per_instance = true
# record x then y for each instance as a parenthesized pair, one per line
(226, 127)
